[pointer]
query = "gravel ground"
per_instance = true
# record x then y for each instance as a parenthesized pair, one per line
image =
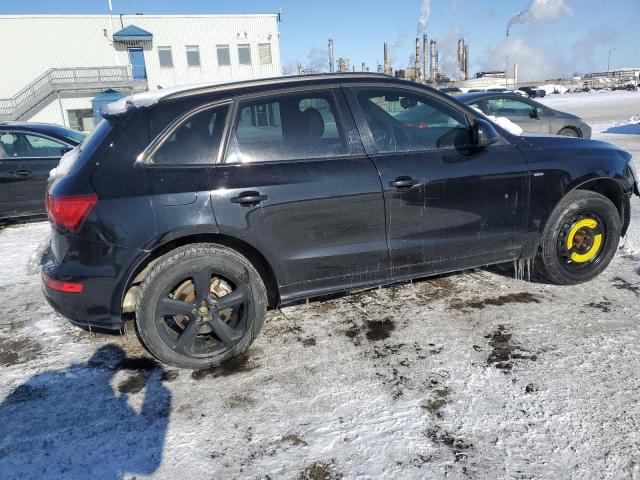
(474, 375)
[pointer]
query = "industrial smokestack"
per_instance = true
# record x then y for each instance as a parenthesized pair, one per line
(466, 61)
(425, 56)
(385, 63)
(331, 55)
(364, 67)
(463, 61)
(417, 64)
(433, 60)
(515, 75)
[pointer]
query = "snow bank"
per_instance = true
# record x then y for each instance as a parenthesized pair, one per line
(553, 88)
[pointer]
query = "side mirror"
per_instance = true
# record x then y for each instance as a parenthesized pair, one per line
(537, 113)
(484, 133)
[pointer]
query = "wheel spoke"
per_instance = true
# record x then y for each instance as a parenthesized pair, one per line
(202, 283)
(232, 299)
(187, 338)
(169, 306)
(224, 332)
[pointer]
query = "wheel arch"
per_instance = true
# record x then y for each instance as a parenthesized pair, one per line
(610, 188)
(125, 298)
(572, 127)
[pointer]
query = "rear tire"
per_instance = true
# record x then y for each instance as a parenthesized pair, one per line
(569, 132)
(200, 306)
(580, 238)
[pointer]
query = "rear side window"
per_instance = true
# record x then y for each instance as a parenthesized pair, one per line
(195, 141)
(287, 127)
(506, 107)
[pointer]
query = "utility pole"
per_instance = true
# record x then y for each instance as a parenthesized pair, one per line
(609, 60)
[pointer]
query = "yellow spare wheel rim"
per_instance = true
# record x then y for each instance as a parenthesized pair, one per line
(584, 240)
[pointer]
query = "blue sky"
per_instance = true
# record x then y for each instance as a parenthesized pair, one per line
(577, 42)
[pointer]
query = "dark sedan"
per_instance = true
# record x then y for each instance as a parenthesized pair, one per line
(28, 152)
(530, 115)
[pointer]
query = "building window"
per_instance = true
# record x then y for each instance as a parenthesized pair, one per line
(244, 54)
(165, 57)
(193, 55)
(264, 49)
(223, 55)
(81, 119)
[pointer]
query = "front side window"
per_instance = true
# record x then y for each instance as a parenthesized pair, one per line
(21, 145)
(287, 127)
(404, 121)
(244, 54)
(223, 55)
(195, 141)
(508, 107)
(165, 57)
(193, 55)
(264, 50)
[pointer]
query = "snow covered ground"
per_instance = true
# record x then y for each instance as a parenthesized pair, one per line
(469, 375)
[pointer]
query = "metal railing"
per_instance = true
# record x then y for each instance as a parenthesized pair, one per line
(67, 80)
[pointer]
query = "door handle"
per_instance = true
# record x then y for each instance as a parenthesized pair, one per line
(404, 182)
(249, 198)
(21, 173)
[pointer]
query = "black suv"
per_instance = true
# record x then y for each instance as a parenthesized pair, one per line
(198, 208)
(28, 152)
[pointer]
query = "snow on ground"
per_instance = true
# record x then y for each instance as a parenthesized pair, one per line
(474, 374)
(596, 106)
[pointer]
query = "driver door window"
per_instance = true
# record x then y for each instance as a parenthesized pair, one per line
(407, 121)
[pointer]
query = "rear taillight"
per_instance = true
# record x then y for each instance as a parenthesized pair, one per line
(70, 212)
(68, 287)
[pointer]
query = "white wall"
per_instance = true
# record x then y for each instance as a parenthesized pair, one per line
(32, 44)
(52, 112)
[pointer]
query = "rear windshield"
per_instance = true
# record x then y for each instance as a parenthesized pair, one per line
(91, 141)
(84, 150)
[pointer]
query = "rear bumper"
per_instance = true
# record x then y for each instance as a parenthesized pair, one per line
(89, 308)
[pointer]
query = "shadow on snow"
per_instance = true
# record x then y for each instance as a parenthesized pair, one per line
(630, 129)
(72, 424)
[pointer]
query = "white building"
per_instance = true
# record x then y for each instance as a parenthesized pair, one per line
(55, 65)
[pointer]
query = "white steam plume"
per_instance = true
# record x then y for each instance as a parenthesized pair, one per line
(425, 13)
(540, 11)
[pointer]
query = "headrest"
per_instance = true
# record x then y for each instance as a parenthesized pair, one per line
(313, 122)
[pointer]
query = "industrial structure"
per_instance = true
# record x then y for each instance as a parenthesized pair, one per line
(61, 73)
(463, 58)
(331, 64)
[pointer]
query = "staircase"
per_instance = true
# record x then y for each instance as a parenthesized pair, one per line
(69, 80)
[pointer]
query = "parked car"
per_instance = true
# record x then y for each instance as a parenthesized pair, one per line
(534, 92)
(28, 151)
(197, 208)
(531, 116)
(451, 90)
